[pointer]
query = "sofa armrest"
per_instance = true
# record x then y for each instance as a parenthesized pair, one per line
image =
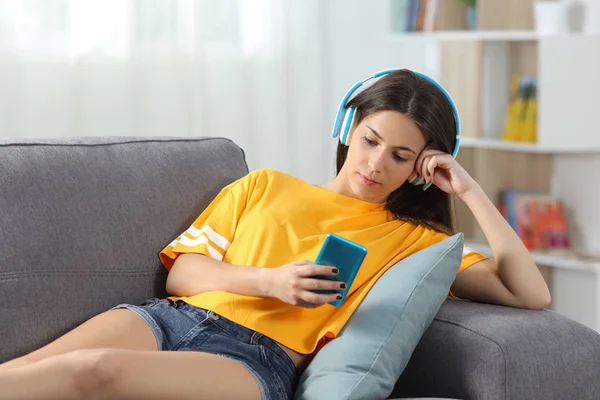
(480, 351)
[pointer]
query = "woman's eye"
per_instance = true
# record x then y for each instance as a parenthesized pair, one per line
(370, 142)
(398, 157)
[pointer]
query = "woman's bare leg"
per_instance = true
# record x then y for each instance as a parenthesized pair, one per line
(128, 374)
(55, 378)
(119, 329)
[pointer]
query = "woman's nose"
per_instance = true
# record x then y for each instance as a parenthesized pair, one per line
(376, 161)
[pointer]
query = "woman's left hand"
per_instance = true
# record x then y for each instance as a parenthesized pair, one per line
(445, 172)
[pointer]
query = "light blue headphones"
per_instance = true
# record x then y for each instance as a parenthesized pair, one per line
(345, 115)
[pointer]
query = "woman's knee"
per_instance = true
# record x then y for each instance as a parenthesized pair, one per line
(93, 372)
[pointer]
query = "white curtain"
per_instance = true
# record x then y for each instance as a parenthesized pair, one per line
(249, 70)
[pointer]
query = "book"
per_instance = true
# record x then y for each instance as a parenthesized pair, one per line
(510, 127)
(415, 15)
(537, 218)
(521, 116)
(431, 14)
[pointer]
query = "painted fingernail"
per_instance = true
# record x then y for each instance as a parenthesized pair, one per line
(426, 186)
(339, 297)
(411, 178)
(343, 286)
(416, 181)
(335, 271)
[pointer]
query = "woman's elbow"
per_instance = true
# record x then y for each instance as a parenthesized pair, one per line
(546, 301)
(173, 284)
(184, 278)
(539, 302)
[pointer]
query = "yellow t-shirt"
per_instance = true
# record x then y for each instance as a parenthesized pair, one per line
(269, 219)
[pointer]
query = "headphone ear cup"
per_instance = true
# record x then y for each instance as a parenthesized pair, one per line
(337, 126)
(346, 125)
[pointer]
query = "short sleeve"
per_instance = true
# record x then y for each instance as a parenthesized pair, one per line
(469, 258)
(212, 232)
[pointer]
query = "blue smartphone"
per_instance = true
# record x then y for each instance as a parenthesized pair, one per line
(346, 256)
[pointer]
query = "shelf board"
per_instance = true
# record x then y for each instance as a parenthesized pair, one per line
(499, 144)
(548, 259)
(490, 36)
(510, 36)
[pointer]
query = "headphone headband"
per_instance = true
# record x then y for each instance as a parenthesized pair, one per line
(345, 116)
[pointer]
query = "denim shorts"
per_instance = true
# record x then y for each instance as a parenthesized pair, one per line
(180, 326)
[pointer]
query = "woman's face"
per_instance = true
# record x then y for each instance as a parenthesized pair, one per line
(382, 154)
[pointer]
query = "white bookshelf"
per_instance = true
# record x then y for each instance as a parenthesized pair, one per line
(569, 81)
(548, 259)
(497, 144)
(476, 67)
(574, 284)
(523, 147)
(487, 36)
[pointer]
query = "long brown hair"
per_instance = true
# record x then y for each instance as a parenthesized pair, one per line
(426, 105)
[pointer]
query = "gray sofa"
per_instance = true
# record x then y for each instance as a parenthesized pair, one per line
(82, 221)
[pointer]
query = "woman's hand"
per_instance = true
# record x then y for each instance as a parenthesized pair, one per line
(294, 284)
(440, 169)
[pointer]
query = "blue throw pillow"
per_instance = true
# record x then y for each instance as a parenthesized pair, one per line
(370, 353)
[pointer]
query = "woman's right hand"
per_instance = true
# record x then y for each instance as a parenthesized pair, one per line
(294, 284)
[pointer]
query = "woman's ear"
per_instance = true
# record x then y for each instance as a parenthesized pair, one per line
(352, 129)
(349, 140)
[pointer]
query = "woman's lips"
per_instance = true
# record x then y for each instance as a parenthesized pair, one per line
(367, 181)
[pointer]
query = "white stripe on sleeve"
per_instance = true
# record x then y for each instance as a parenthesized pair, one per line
(214, 253)
(216, 238)
(467, 250)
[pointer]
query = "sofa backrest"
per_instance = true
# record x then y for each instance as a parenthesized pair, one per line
(82, 221)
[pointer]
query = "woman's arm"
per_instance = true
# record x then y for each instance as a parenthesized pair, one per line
(196, 273)
(512, 278)
(292, 283)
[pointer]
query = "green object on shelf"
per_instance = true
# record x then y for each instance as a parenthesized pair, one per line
(470, 3)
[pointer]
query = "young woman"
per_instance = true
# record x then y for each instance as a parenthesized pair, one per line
(244, 317)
